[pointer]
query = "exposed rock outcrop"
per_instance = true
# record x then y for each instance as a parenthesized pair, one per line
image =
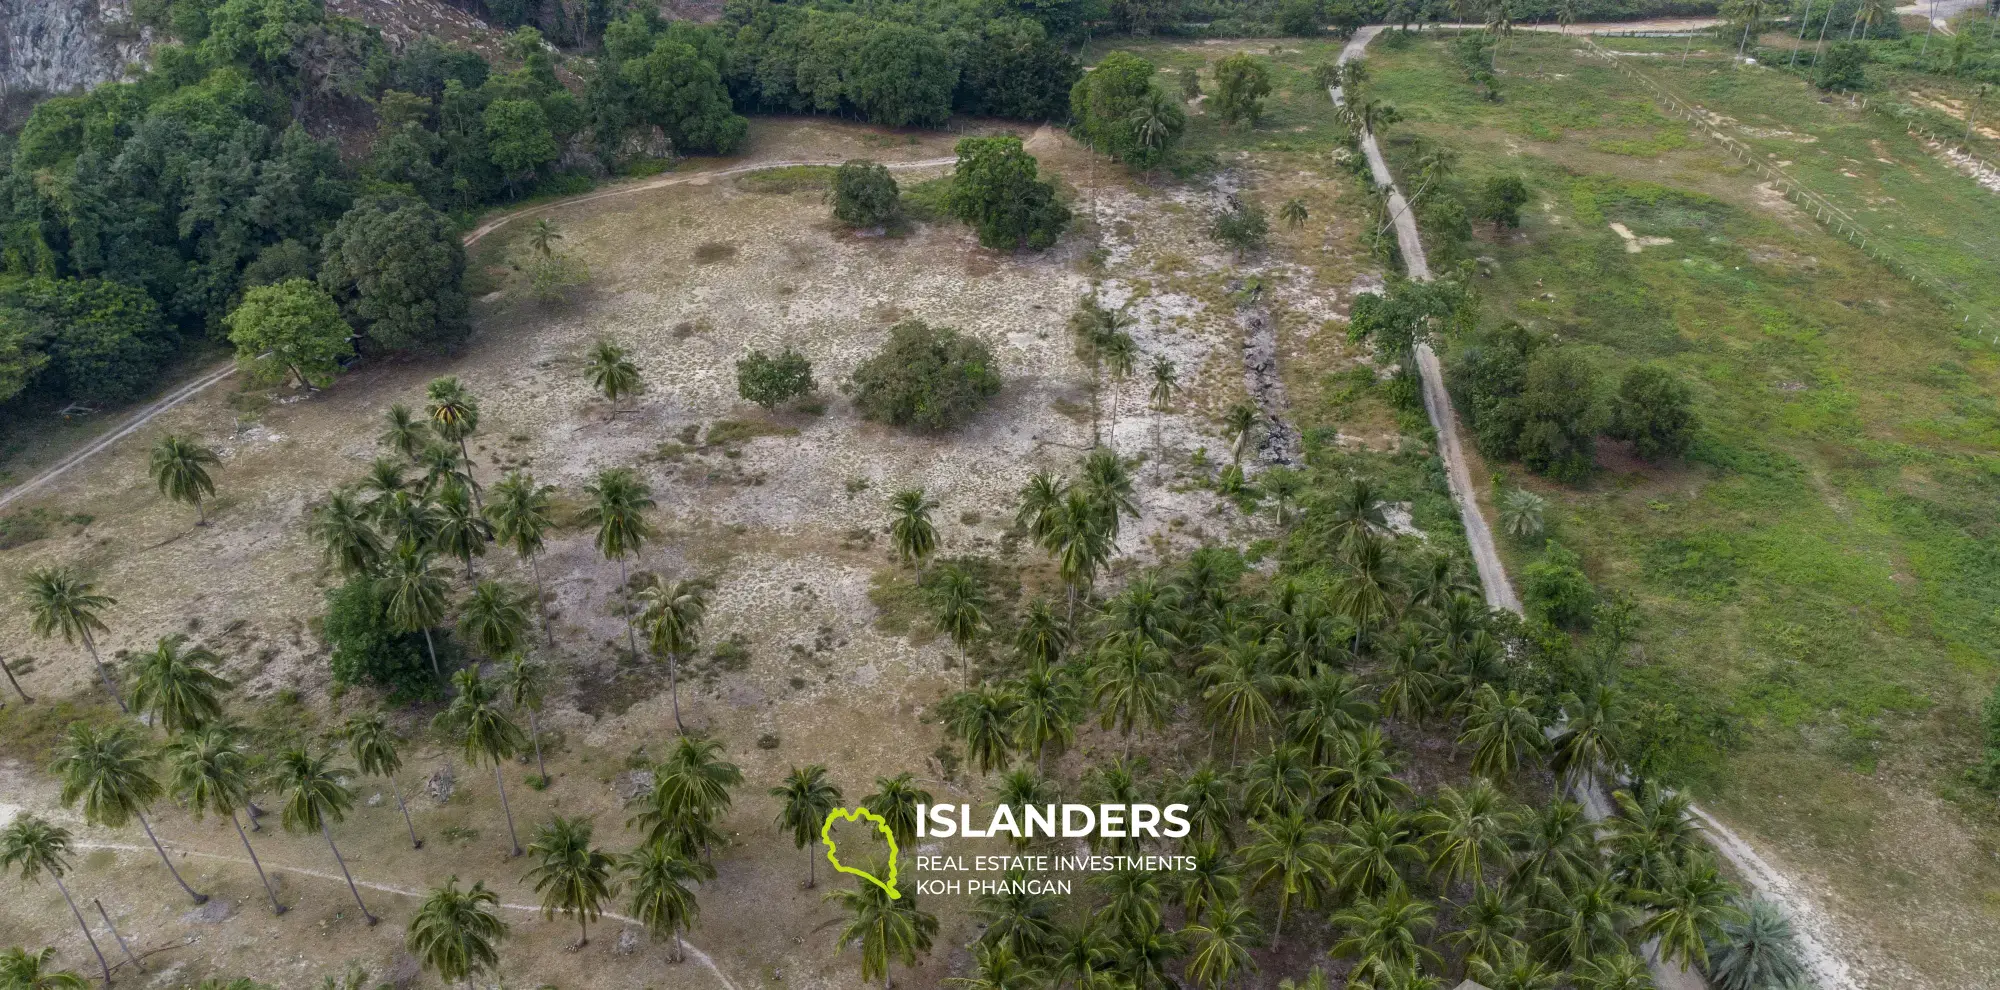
(50, 47)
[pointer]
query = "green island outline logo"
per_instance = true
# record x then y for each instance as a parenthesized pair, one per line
(833, 855)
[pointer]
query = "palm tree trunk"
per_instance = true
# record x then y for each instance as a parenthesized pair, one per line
(428, 645)
(625, 590)
(812, 868)
(120, 939)
(674, 687)
(415, 843)
(1278, 932)
(1821, 43)
(535, 734)
(276, 908)
(9, 671)
(1805, 21)
(356, 891)
(463, 455)
(583, 926)
(200, 514)
(541, 598)
(511, 837)
(80, 923)
(148, 826)
(680, 951)
(102, 674)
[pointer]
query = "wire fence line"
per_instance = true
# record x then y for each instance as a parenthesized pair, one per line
(1829, 214)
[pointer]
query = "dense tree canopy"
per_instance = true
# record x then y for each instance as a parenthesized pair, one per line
(395, 264)
(997, 191)
(1105, 112)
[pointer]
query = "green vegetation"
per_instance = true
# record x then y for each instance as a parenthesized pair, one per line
(865, 195)
(772, 381)
(995, 188)
(930, 378)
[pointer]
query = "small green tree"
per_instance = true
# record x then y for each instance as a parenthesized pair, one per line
(291, 328)
(180, 467)
(1241, 84)
(772, 381)
(865, 195)
(1654, 411)
(1844, 69)
(1243, 227)
(996, 189)
(518, 139)
(1556, 590)
(1501, 200)
(926, 377)
(1106, 112)
(456, 933)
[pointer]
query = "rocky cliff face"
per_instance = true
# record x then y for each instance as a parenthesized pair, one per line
(49, 47)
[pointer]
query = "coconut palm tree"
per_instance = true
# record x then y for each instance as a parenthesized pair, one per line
(1755, 951)
(208, 770)
(1020, 787)
(1503, 732)
(657, 878)
(175, 686)
(958, 606)
(806, 798)
(543, 236)
(1556, 843)
(672, 612)
(1040, 497)
(454, 416)
(619, 501)
(377, 751)
(910, 528)
(1331, 706)
(1467, 831)
(1220, 945)
(1367, 595)
(1356, 512)
(61, 603)
(109, 770)
(493, 618)
(981, 718)
(520, 515)
(1283, 485)
(1290, 851)
(37, 846)
(1209, 879)
(1515, 970)
(22, 970)
(886, 929)
(406, 434)
(1522, 513)
(1130, 686)
(316, 799)
(1384, 934)
(1146, 957)
(1045, 711)
(1690, 904)
(612, 372)
(1239, 423)
(572, 878)
(462, 530)
(483, 732)
(1153, 120)
(1237, 689)
(1362, 778)
(1160, 398)
(1589, 920)
(524, 683)
(8, 670)
(895, 801)
(1209, 794)
(180, 467)
(1080, 542)
(1119, 353)
(341, 528)
(1083, 956)
(1108, 486)
(408, 520)
(1294, 212)
(416, 588)
(999, 962)
(690, 789)
(1374, 850)
(1616, 971)
(443, 468)
(1490, 926)
(456, 933)
(1589, 741)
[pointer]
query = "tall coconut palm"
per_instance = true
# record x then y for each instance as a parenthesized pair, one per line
(1131, 687)
(524, 682)
(1555, 842)
(573, 878)
(520, 514)
(1237, 688)
(443, 468)
(1689, 906)
(484, 733)
(1290, 851)
(1490, 926)
(406, 433)
(208, 770)
(1220, 945)
(1283, 485)
(1361, 780)
(910, 529)
(1080, 543)
(1209, 879)
(805, 799)
(316, 799)
(1329, 708)
(1039, 499)
(1083, 956)
(1384, 934)
(36, 846)
(1108, 486)
(463, 530)
(61, 603)
(408, 520)
(493, 618)
(341, 528)
(1209, 794)
(981, 718)
(24, 970)
(958, 607)
(895, 801)
(1019, 927)
(1120, 354)
(456, 933)
(416, 588)
(1374, 851)
(1356, 512)
(1160, 398)
(1278, 782)
(1755, 951)
(454, 416)
(1589, 741)
(1021, 787)
(1503, 732)
(1467, 831)
(180, 467)
(378, 752)
(691, 785)
(672, 612)
(110, 771)
(1040, 637)
(1045, 712)
(612, 372)
(1367, 594)
(619, 501)
(176, 688)
(658, 878)
(1240, 423)
(886, 929)
(1590, 920)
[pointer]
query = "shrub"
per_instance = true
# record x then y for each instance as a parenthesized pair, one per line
(1502, 199)
(1557, 591)
(366, 648)
(928, 377)
(1655, 412)
(1560, 418)
(552, 276)
(1844, 69)
(771, 381)
(996, 190)
(865, 195)
(1243, 227)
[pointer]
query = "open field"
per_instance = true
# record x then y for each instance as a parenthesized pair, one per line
(1818, 579)
(784, 511)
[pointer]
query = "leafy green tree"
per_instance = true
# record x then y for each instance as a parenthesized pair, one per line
(456, 933)
(1844, 69)
(896, 800)
(1501, 199)
(930, 378)
(886, 929)
(291, 328)
(772, 381)
(518, 139)
(483, 732)
(1655, 412)
(680, 92)
(36, 846)
(524, 681)
(377, 751)
(805, 799)
(1560, 414)
(317, 798)
(85, 339)
(1241, 84)
(1243, 227)
(1105, 110)
(996, 189)
(619, 501)
(180, 468)
(865, 195)
(110, 771)
(176, 687)
(661, 901)
(612, 372)
(396, 265)
(415, 600)
(573, 878)
(1290, 851)
(208, 770)
(1555, 589)
(672, 612)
